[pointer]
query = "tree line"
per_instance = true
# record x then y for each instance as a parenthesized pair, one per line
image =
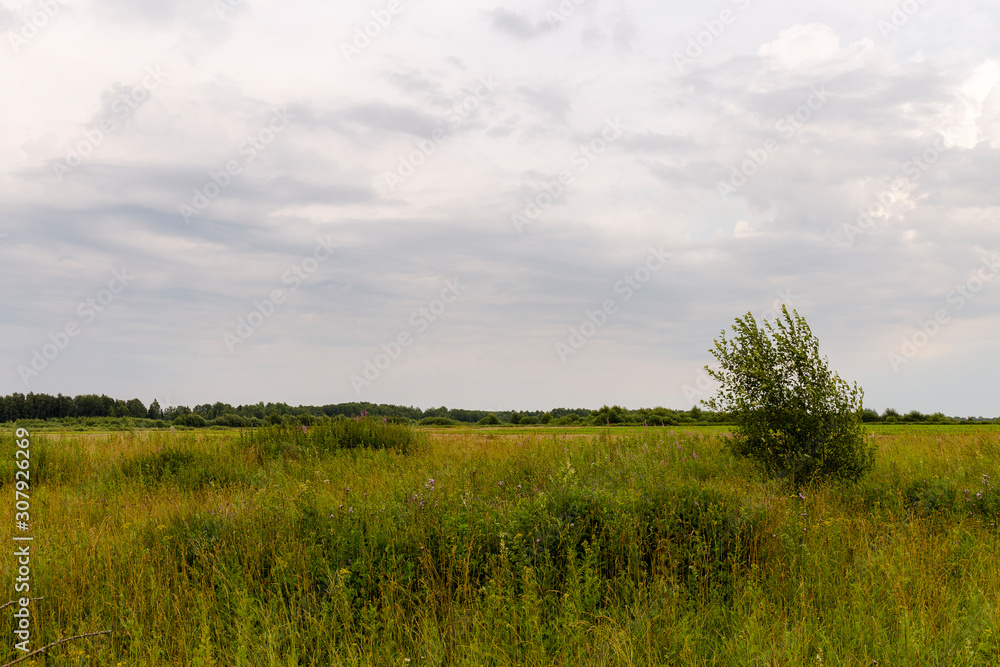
(19, 407)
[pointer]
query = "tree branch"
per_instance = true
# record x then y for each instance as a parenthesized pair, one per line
(55, 643)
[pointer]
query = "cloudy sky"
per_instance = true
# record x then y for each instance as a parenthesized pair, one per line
(508, 204)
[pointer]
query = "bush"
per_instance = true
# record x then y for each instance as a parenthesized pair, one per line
(489, 420)
(437, 421)
(231, 420)
(794, 417)
(328, 435)
(186, 469)
(191, 419)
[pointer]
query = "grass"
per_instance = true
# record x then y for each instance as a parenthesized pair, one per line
(364, 545)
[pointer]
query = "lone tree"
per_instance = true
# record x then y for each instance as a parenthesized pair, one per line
(794, 417)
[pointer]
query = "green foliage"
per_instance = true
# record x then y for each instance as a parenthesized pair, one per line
(291, 441)
(608, 415)
(231, 420)
(191, 419)
(489, 420)
(437, 421)
(637, 546)
(183, 467)
(794, 417)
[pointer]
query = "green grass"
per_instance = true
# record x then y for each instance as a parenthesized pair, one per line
(360, 544)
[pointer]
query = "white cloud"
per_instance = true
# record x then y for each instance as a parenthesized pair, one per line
(556, 88)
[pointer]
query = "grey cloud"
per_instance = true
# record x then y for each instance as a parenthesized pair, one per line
(548, 99)
(654, 142)
(120, 103)
(153, 11)
(392, 118)
(518, 25)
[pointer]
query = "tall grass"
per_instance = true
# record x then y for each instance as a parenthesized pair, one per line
(350, 546)
(329, 435)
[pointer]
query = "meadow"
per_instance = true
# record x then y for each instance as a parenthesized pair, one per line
(382, 544)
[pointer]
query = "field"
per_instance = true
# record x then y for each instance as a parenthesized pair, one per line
(539, 546)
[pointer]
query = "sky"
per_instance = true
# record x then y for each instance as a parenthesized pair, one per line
(495, 204)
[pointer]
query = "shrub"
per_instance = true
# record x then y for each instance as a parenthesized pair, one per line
(437, 421)
(489, 420)
(191, 419)
(290, 440)
(232, 420)
(794, 417)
